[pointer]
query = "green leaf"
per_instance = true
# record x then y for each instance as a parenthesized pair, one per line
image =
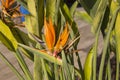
(40, 14)
(20, 77)
(23, 38)
(90, 6)
(83, 16)
(57, 14)
(43, 54)
(56, 72)
(99, 15)
(106, 43)
(108, 69)
(66, 67)
(66, 12)
(117, 38)
(72, 27)
(31, 20)
(38, 72)
(23, 65)
(50, 9)
(46, 77)
(88, 65)
(6, 37)
(73, 8)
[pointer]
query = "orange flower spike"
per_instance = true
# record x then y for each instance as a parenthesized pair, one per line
(52, 30)
(63, 38)
(7, 3)
(11, 2)
(65, 35)
(3, 2)
(49, 34)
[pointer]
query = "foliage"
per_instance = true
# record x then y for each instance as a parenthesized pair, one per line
(51, 37)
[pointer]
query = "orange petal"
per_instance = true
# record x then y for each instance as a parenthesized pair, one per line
(52, 30)
(3, 2)
(63, 38)
(11, 2)
(49, 34)
(7, 3)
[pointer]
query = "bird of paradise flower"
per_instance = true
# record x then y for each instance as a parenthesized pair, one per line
(10, 8)
(54, 46)
(9, 11)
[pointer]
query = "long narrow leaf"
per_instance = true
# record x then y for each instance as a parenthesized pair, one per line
(83, 16)
(96, 30)
(40, 14)
(23, 38)
(56, 72)
(23, 65)
(117, 38)
(73, 8)
(106, 44)
(6, 37)
(99, 15)
(43, 54)
(38, 72)
(66, 67)
(20, 77)
(50, 9)
(90, 6)
(88, 65)
(46, 77)
(32, 19)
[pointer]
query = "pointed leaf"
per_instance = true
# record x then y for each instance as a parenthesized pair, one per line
(88, 65)
(99, 16)
(6, 37)
(73, 8)
(83, 16)
(90, 6)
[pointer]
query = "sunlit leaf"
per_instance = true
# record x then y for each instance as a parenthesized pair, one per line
(6, 37)
(99, 16)
(83, 16)
(90, 6)
(31, 20)
(73, 8)
(117, 37)
(88, 65)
